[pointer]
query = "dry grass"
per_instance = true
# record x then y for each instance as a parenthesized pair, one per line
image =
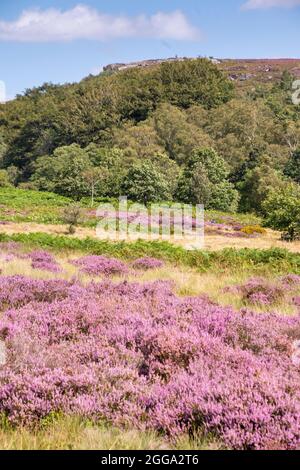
(187, 281)
(264, 242)
(73, 433)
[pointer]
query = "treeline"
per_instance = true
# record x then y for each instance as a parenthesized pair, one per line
(177, 131)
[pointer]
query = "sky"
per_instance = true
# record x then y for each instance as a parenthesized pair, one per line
(65, 40)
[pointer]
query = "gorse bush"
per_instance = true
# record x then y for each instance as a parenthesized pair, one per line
(252, 229)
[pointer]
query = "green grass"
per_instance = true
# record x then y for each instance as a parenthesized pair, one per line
(272, 260)
(238, 218)
(20, 205)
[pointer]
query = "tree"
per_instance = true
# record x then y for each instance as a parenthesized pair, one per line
(204, 181)
(256, 185)
(62, 172)
(240, 128)
(114, 163)
(92, 177)
(178, 137)
(168, 168)
(194, 82)
(3, 148)
(292, 168)
(144, 183)
(4, 179)
(139, 141)
(195, 187)
(282, 209)
(72, 215)
(13, 174)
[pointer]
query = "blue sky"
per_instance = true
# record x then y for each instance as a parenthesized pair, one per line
(65, 40)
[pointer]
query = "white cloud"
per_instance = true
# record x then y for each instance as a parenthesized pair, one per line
(83, 22)
(265, 4)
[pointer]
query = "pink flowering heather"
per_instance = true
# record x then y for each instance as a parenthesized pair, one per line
(44, 261)
(296, 301)
(11, 250)
(16, 291)
(147, 263)
(138, 355)
(97, 265)
(259, 291)
(291, 280)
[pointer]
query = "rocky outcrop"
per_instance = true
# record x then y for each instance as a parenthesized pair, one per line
(147, 63)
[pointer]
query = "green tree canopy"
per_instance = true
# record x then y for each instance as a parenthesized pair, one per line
(144, 183)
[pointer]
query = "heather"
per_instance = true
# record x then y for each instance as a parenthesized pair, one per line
(259, 291)
(147, 263)
(44, 261)
(265, 292)
(137, 355)
(39, 259)
(96, 265)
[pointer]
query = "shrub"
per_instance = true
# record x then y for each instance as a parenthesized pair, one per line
(72, 215)
(282, 208)
(147, 263)
(259, 291)
(96, 265)
(44, 261)
(4, 179)
(252, 229)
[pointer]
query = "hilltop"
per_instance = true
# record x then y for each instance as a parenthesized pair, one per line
(237, 70)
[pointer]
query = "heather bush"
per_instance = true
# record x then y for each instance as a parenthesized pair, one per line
(44, 261)
(16, 291)
(290, 280)
(97, 265)
(72, 215)
(147, 263)
(137, 355)
(296, 301)
(259, 291)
